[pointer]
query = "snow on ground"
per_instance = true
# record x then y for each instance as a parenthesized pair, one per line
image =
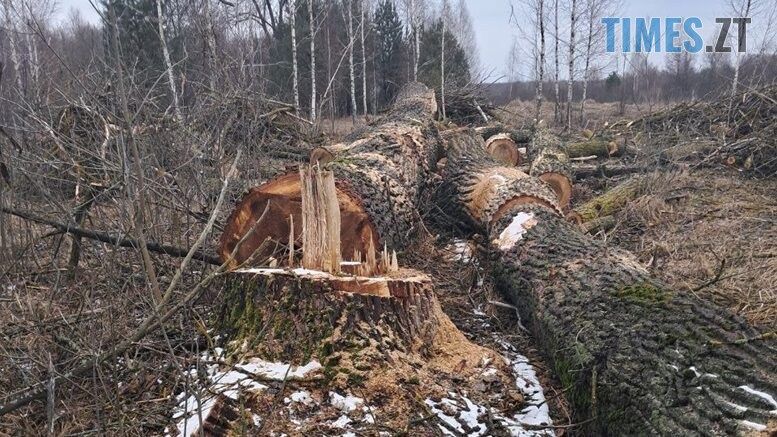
(460, 415)
(217, 382)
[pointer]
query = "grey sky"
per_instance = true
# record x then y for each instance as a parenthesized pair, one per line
(495, 33)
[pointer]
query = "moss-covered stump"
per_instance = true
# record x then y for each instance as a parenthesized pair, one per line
(635, 356)
(386, 342)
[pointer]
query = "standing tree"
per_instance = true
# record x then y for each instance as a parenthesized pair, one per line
(541, 60)
(443, 19)
(168, 62)
(311, 18)
(362, 25)
(295, 77)
(388, 51)
(457, 70)
(348, 5)
(571, 79)
(556, 37)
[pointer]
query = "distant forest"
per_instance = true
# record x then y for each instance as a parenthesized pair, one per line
(686, 77)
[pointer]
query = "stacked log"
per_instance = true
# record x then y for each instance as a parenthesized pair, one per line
(635, 356)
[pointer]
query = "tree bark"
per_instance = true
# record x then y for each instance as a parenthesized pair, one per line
(571, 79)
(551, 165)
(556, 109)
(541, 66)
(311, 17)
(380, 176)
(295, 76)
(634, 356)
(588, 48)
(12, 43)
(352, 73)
(442, 59)
(168, 62)
(364, 60)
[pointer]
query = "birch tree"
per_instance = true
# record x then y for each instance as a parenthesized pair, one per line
(556, 37)
(541, 60)
(351, 40)
(442, 56)
(591, 9)
(210, 42)
(294, 67)
(571, 80)
(168, 62)
(362, 25)
(311, 18)
(10, 28)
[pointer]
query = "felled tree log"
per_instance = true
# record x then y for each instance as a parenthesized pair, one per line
(379, 177)
(604, 170)
(551, 165)
(611, 201)
(635, 356)
(503, 149)
(600, 147)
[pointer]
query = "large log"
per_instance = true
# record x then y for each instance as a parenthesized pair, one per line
(551, 165)
(380, 174)
(635, 356)
(610, 201)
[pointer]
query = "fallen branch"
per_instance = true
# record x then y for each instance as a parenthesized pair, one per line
(113, 238)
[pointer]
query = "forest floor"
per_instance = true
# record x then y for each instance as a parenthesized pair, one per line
(710, 232)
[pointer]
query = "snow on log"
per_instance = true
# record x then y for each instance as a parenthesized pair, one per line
(379, 177)
(635, 356)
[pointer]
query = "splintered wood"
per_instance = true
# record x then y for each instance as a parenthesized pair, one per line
(320, 221)
(321, 231)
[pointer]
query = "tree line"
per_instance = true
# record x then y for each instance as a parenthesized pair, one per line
(327, 58)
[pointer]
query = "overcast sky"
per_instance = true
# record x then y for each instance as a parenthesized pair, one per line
(495, 33)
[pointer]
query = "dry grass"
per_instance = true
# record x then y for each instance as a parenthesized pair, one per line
(709, 233)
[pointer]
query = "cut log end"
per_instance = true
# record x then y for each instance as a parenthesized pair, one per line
(282, 197)
(504, 150)
(561, 185)
(320, 156)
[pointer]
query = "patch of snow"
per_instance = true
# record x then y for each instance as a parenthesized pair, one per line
(301, 396)
(513, 233)
(765, 396)
(346, 404)
(278, 371)
(737, 407)
(753, 425)
(341, 421)
(461, 251)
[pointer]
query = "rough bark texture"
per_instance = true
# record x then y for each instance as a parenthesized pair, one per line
(634, 356)
(551, 164)
(600, 147)
(611, 201)
(380, 175)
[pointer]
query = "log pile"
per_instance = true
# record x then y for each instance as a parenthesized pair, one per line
(634, 355)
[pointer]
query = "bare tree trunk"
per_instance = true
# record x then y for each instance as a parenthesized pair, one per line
(571, 80)
(541, 70)
(312, 62)
(295, 76)
(11, 32)
(442, 60)
(364, 61)
(32, 53)
(210, 41)
(556, 109)
(168, 62)
(416, 38)
(737, 58)
(588, 48)
(351, 40)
